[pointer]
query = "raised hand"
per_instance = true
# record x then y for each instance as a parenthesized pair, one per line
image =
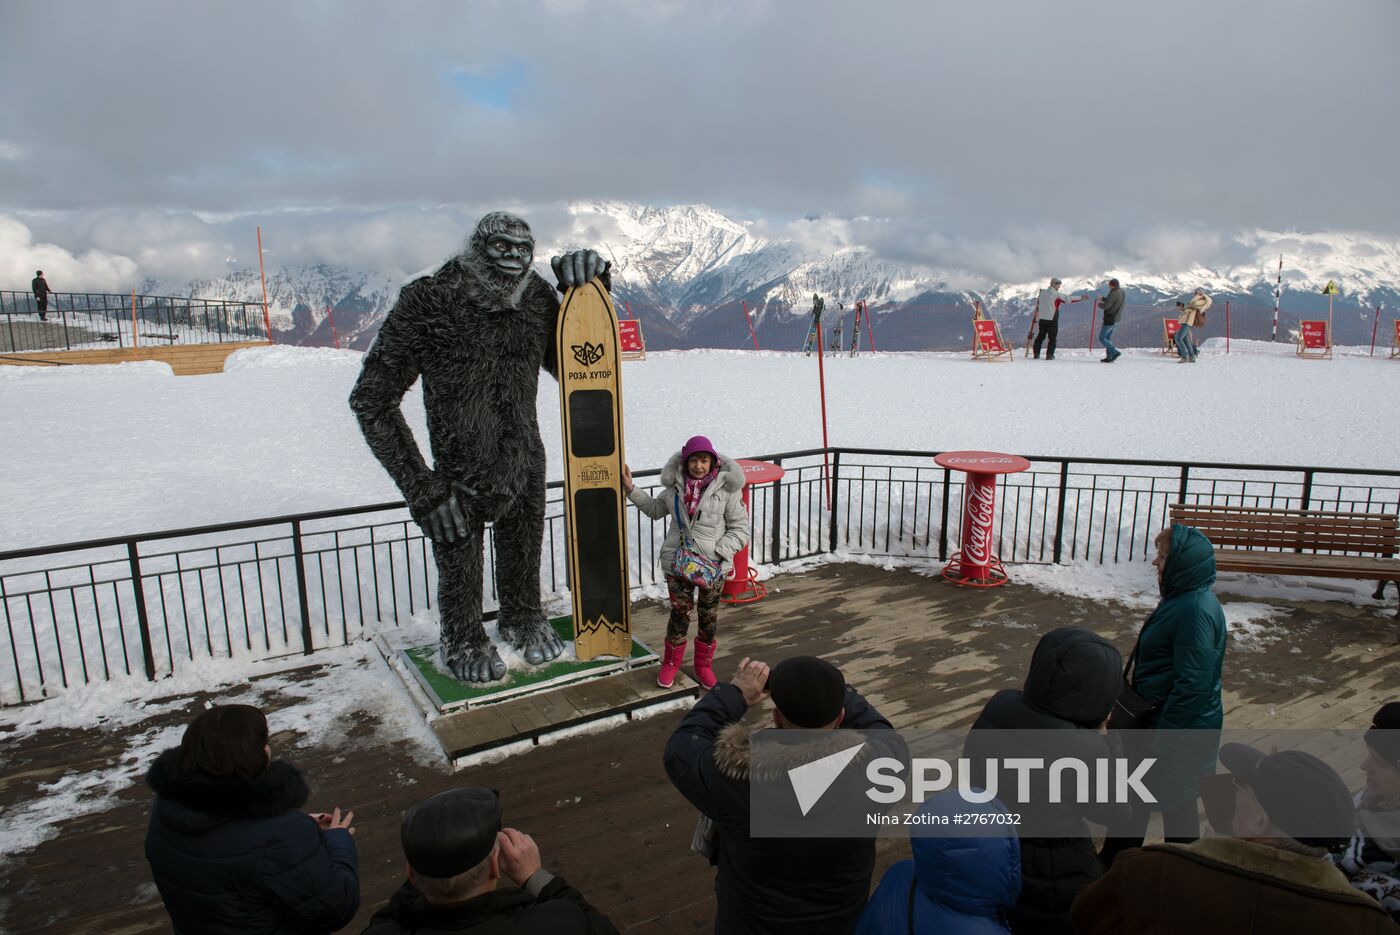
(519, 855)
(752, 680)
(627, 484)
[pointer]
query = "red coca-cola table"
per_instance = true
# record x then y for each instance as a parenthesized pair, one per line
(975, 564)
(742, 585)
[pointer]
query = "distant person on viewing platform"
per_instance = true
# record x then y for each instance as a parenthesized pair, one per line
(1047, 313)
(1176, 668)
(1112, 311)
(457, 853)
(41, 289)
(229, 846)
(1193, 315)
(1269, 876)
(1371, 860)
(772, 885)
(703, 494)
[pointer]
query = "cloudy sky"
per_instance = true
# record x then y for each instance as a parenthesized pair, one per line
(147, 138)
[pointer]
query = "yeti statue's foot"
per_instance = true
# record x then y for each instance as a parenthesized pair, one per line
(534, 639)
(479, 665)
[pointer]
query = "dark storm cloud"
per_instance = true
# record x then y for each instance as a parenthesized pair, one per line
(1090, 123)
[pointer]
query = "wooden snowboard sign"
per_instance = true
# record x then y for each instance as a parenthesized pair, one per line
(590, 397)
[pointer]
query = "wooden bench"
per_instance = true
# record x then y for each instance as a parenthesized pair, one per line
(1299, 542)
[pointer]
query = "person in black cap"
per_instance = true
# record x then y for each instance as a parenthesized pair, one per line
(457, 853)
(1271, 876)
(772, 884)
(1371, 860)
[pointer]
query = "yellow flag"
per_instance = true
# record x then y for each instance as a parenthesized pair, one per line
(1331, 289)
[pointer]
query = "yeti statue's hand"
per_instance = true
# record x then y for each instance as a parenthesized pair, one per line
(447, 522)
(577, 268)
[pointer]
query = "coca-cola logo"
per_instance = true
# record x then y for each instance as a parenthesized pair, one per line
(977, 517)
(982, 460)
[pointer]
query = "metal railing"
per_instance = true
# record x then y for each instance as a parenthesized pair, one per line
(150, 605)
(88, 320)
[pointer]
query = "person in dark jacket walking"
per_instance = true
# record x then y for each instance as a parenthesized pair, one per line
(1112, 311)
(953, 886)
(457, 853)
(1180, 654)
(771, 885)
(1073, 680)
(40, 287)
(229, 847)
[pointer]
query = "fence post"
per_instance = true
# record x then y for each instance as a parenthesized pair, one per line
(302, 602)
(143, 620)
(1060, 513)
(1093, 317)
(1307, 490)
(1375, 324)
(9, 320)
(67, 345)
(774, 554)
(835, 486)
(943, 525)
(1181, 488)
(1227, 326)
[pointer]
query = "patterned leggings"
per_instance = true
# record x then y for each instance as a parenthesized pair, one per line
(682, 594)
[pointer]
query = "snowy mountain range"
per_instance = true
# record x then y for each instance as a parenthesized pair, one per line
(689, 273)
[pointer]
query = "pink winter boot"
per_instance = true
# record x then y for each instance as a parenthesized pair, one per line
(671, 661)
(704, 657)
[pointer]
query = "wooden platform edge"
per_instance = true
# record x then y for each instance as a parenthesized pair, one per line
(647, 698)
(496, 729)
(183, 359)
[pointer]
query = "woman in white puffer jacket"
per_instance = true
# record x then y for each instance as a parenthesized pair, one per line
(707, 492)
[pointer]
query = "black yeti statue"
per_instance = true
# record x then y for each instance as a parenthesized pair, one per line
(477, 331)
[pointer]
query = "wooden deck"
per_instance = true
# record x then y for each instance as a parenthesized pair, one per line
(184, 360)
(926, 653)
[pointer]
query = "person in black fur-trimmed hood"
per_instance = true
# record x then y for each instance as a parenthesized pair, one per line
(771, 885)
(228, 844)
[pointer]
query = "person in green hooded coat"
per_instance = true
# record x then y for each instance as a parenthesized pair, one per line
(1180, 654)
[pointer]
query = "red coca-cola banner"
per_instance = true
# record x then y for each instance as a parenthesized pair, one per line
(629, 335)
(1172, 325)
(1314, 334)
(987, 335)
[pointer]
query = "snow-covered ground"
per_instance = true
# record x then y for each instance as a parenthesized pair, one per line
(100, 451)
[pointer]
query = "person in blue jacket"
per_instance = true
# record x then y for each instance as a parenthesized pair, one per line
(229, 846)
(1180, 655)
(953, 886)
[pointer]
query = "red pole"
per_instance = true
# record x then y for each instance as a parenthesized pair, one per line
(749, 318)
(627, 305)
(869, 329)
(821, 378)
(1374, 325)
(1227, 326)
(267, 322)
(335, 339)
(1093, 317)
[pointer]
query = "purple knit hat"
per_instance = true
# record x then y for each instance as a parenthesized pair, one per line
(698, 444)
